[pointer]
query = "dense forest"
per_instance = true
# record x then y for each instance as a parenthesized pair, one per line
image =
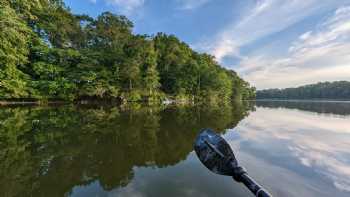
(325, 90)
(48, 53)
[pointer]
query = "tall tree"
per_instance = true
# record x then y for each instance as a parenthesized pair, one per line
(14, 49)
(151, 76)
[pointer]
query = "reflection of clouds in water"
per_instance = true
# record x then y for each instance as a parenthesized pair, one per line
(319, 142)
(129, 191)
(327, 165)
(187, 179)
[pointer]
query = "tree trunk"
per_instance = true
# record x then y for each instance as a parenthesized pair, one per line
(130, 84)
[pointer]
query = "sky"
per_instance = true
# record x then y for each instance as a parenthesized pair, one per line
(269, 43)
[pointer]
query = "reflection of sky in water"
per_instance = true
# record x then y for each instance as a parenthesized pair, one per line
(309, 151)
(187, 178)
(290, 152)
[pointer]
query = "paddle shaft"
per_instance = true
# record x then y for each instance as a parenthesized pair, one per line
(253, 186)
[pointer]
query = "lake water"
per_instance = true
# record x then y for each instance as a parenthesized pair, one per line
(292, 148)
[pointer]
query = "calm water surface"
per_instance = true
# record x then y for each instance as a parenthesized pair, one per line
(292, 148)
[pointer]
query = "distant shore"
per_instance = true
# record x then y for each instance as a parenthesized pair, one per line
(304, 100)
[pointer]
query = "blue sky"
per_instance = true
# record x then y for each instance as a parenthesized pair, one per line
(270, 43)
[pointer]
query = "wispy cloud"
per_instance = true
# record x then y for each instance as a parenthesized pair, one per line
(191, 4)
(265, 18)
(318, 55)
(126, 6)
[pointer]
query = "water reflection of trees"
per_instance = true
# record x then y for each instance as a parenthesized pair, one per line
(48, 151)
(337, 108)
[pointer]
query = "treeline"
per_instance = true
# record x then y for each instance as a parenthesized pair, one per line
(48, 53)
(325, 90)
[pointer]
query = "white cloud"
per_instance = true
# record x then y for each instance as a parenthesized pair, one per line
(191, 4)
(318, 55)
(265, 18)
(129, 190)
(126, 6)
(315, 54)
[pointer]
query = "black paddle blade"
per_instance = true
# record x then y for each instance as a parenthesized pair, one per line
(215, 153)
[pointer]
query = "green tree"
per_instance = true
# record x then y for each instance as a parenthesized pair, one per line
(14, 49)
(131, 73)
(151, 76)
(49, 53)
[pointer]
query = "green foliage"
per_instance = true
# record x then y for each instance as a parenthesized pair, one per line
(46, 52)
(132, 96)
(326, 90)
(151, 75)
(14, 49)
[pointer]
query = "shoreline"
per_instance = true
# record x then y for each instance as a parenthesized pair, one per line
(9, 103)
(165, 102)
(88, 102)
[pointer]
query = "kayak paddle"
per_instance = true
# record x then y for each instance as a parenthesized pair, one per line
(216, 154)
